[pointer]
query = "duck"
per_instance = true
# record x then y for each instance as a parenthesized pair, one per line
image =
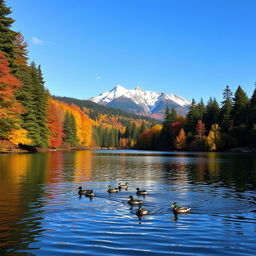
(90, 193)
(82, 191)
(177, 209)
(141, 192)
(134, 201)
(141, 211)
(112, 190)
(123, 186)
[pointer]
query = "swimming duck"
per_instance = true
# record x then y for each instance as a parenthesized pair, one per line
(82, 191)
(112, 190)
(141, 192)
(134, 201)
(178, 209)
(141, 211)
(123, 186)
(90, 193)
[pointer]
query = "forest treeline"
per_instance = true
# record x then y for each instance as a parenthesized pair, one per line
(31, 118)
(232, 124)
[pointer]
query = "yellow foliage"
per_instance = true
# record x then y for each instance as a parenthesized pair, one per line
(19, 136)
(213, 137)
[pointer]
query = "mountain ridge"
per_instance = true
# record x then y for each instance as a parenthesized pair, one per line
(142, 102)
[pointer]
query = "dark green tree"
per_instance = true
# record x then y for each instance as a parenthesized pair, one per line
(7, 36)
(134, 131)
(240, 108)
(252, 110)
(212, 113)
(69, 129)
(226, 109)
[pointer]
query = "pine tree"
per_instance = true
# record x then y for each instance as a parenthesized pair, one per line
(212, 113)
(134, 131)
(7, 36)
(21, 57)
(196, 112)
(142, 127)
(34, 98)
(69, 129)
(240, 108)
(252, 110)
(226, 109)
(128, 130)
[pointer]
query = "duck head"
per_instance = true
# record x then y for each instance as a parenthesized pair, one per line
(175, 204)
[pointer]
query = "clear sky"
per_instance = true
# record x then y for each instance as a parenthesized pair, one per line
(192, 48)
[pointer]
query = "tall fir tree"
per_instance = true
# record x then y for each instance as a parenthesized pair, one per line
(226, 109)
(69, 129)
(252, 110)
(7, 35)
(212, 113)
(240, 107)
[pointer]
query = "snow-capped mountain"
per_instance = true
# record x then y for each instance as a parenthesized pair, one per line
(140, 101)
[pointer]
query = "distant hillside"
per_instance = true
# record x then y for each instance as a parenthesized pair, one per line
(97, 109)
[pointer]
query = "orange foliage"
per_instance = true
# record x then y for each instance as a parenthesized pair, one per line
(54, 124)
(181, 139)
(10, 108)
(83, 122)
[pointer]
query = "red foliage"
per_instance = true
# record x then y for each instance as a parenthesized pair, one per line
(175, 128)
(54, 125)
(10, 108)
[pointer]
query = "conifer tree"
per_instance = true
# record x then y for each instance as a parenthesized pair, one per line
(69, 129)
(142, 127)
(240, 108)
(226, 109)
(212, 113)
(252, 110)
(7, 36)
(134, 131)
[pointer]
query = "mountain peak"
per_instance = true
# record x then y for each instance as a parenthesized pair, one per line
(141, 101)
(118, 87)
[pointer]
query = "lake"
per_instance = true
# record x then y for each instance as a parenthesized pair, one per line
(42, 214)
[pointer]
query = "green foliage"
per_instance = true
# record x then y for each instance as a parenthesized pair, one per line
(240, 107)
(7, 36)
(226, 109)
(34, 99)
(69, 129)
(212, 113)
(252, 110)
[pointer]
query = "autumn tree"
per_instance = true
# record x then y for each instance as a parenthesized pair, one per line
(213, 139)
(199, 137)
(54, 125)
(181, 140)
(10, 109)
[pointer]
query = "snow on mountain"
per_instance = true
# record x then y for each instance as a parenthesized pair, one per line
(147, 100)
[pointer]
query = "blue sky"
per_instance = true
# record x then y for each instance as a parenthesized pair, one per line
(192, 48)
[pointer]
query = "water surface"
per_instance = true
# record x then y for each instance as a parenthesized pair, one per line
(42, 214)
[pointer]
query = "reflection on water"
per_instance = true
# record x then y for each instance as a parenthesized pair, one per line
(41, 213)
